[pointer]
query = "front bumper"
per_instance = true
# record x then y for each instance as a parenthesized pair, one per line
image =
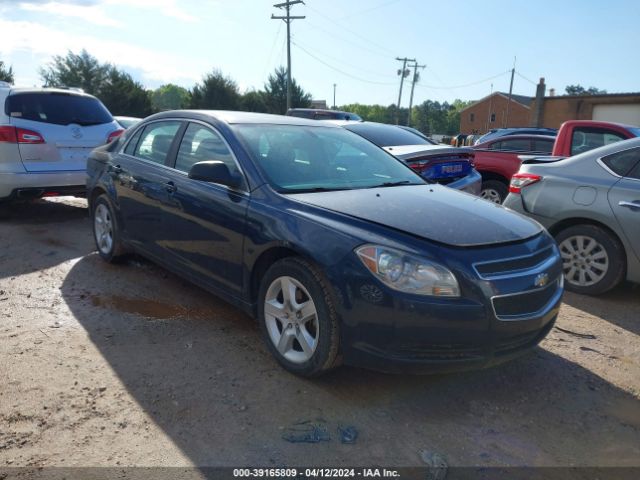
(501, 314)
(32, 185)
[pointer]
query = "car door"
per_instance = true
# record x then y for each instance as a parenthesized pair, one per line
(624, 195)
(141, 175)
(205, 222)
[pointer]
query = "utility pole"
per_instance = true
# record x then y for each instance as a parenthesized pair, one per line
(403, 73)
(413, 85)
(334, 96)
(287, 19)
(513, 70)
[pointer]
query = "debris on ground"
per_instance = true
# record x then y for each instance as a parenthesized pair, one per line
(348, 434)
(307, 432)
(576, 334)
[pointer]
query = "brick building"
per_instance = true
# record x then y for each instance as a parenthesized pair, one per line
(491, 112)
(548, 111)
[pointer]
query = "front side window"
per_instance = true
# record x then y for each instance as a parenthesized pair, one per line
(588, 138)
(516, 145)
(156, 140)
(131, 146)
(201, 144)
(299, 159)
(543, 146)
(621, 163)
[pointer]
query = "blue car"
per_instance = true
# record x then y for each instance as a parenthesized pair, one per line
(341, 252)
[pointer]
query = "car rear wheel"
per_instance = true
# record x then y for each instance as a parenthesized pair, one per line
(105, 230)
(298, 319)
(494, 191)
(593, 260)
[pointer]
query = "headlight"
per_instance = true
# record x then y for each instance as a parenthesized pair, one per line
(407, 273)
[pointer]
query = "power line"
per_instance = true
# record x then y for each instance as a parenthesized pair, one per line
(342, 27)
(364, 12)
(318, 52)
(273, 47)
(344, 39)
(525, 78)
(466, 84)
(340, 71)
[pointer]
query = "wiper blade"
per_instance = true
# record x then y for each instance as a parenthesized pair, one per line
(310, 190)
(396, 184)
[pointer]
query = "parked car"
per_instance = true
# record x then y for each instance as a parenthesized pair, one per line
(323, 114)
(46, 135)
(579, 136)
(502, 132)
(437, 163)
(341, 252)
(591, 204)
(498, 159)
(127, 122)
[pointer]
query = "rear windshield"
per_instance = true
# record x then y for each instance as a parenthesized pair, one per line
(386, 135)
(57, 108)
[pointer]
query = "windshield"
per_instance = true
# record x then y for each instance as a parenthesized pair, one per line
(57, 108)
(299, 159)
(386, 135)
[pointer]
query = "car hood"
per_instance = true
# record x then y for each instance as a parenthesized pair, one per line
(405, 152)
(432, 212)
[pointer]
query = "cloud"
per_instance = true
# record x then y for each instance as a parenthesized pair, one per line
(43, 42)
(91, 13)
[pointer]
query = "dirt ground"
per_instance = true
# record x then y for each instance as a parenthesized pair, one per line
(129, 365)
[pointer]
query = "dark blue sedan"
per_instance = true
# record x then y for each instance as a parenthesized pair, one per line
(341, 252)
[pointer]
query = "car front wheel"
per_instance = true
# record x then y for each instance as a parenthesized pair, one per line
(593, 260)
(298, 319)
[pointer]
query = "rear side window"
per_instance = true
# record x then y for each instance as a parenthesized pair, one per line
(543, 146)
(200, 144)
(622, 162)
(57, 108)
(517, 145)
(156, 141)
(635, 173)
(587, 138)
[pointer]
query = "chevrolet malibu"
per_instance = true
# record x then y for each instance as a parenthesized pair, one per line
(341, 252)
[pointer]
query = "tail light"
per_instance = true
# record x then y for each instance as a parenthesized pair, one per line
(113, 135)
(19, 135)
(521, 180)
(418, 167)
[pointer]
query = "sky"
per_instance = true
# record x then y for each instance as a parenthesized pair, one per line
(468, 47)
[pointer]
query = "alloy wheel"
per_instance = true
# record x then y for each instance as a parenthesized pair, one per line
(103, 228)
(291, 319)
(585, 261)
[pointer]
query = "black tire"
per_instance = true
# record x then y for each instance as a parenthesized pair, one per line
(326, 355)
(492, 188)
(116, 251)
(616, 269)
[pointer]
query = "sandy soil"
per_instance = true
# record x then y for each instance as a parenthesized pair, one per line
(129, 365)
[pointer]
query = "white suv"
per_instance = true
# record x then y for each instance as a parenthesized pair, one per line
(46, 135)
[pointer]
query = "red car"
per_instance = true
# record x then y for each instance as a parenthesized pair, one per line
(497, 160)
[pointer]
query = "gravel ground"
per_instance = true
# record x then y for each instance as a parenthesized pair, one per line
(129, 365)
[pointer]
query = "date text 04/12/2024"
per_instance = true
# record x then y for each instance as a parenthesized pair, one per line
(316, 473)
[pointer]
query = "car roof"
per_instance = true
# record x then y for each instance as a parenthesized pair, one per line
(521, 136)
(67, 91)
(234, 117)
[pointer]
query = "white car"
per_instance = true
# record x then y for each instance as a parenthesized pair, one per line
(46, 135)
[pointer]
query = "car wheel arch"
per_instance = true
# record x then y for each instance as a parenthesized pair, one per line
(491, 175)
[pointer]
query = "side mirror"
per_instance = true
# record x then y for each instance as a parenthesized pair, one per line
(214, 171)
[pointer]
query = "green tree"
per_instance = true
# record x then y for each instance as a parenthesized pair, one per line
(580, 90)
(276, 93)
(215, 92)
(170, 97)
(6, 73)
(122, 95)
(76, 70)
(254, 101)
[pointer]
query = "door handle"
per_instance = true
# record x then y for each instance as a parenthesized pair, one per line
(171, 187)
(115, 169)
(632, 205)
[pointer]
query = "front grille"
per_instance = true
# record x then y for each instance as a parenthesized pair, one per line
(513, 265)
(522, 304)
(439, 352)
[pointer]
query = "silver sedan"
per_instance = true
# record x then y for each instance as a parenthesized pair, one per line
(590, 203)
